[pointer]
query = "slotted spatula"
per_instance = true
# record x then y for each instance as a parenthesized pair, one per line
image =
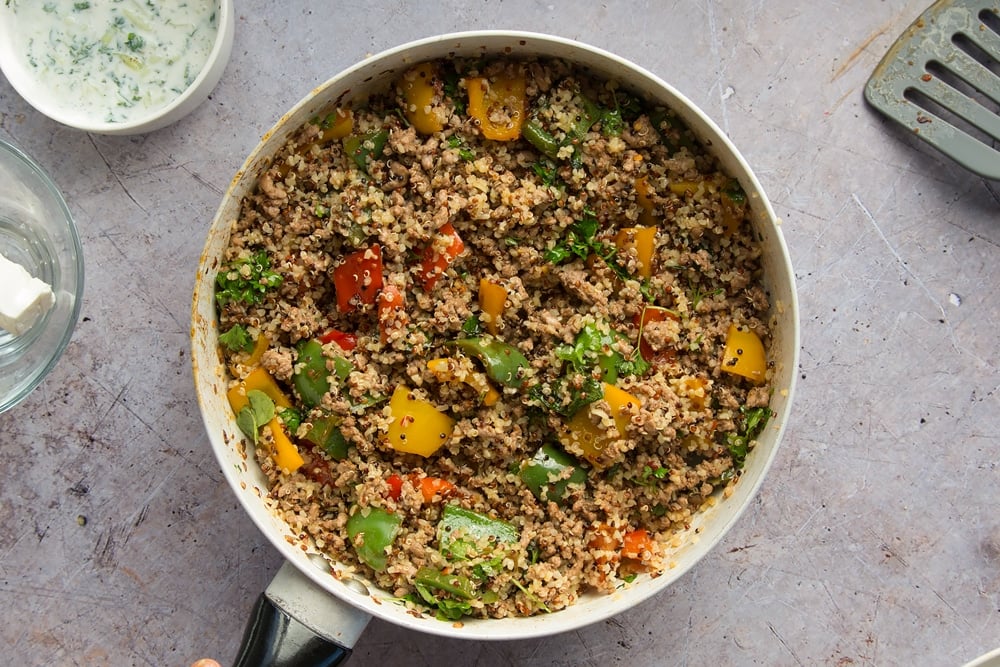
(941, 79)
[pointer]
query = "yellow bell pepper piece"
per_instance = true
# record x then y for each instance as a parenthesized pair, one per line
(733, 211)
(505, 95)
(341, 125)
(286, 454)
(447, 370)
(642, 190)
(259, 348)
(257, 379)
(417, 427)
(643, 239)
(695, 389)
(583, 435)
(685, 187)
(418, 92)
(744, 354)
(492, 298)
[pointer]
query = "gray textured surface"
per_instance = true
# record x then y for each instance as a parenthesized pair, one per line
(876, 539)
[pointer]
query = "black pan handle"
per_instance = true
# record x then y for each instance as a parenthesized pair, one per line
(295, 623)
(274, 638)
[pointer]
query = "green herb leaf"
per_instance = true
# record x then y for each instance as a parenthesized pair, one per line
(246, 280)
(611, 122)
(749, 426)
(472, 327)
(447, 609)
(696, 295)
(291, 418)
(134, 41)
(594, 345)
(531, 597)
(565, 397)
(237, 339)
(735, 192)
(637, 365)
(464, 152)
(248, 423)
(557, 254)
(649, 474)
(546, 172)
(258, 411)
(261, 405)
(453, 92)
(581, 241)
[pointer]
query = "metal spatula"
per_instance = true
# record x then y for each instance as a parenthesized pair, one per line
(941, 79)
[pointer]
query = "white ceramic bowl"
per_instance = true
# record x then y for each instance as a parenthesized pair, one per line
(37, 232)
(377, 73)
(991, 659)
(50, 97)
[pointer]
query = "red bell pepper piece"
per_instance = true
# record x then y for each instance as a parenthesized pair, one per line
(430, 487)
(395, 483)
(434, 263)
(390, 302)
(358, 278)
(637, 544)
(346, 341)
(435, 486)
(654, 314)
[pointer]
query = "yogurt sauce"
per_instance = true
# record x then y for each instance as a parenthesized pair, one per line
(116, 60)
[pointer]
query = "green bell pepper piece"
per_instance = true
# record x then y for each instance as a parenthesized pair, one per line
(377, 529)
(461, 531)
(591, 114)
(550, 462)
(503, 362)
(593, 345)
(312, 380)
(454, 584)
(545, 143)
(326, 435)
(366, 147)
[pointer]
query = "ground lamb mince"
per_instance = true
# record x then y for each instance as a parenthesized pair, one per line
(515, 209)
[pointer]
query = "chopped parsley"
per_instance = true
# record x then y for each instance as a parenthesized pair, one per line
(134, 41)
(581, 242)
(453, 92)
(246, 280)
(546, 172)
(748, 426)
(464, 152)
(237, 339)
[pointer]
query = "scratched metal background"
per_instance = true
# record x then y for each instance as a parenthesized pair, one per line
(876, 540)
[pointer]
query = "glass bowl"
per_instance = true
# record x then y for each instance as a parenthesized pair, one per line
(37, 232)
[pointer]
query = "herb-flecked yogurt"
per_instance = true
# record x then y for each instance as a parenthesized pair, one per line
(116, 60)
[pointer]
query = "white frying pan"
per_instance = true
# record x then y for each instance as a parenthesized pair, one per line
(335, 610)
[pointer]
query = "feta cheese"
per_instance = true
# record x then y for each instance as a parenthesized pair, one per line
(23, 298)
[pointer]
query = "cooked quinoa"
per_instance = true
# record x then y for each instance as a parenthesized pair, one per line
(496, 335)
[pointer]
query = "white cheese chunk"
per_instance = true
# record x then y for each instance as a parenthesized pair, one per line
(23, 298)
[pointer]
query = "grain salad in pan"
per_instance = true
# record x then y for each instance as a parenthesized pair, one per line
(495, 335)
